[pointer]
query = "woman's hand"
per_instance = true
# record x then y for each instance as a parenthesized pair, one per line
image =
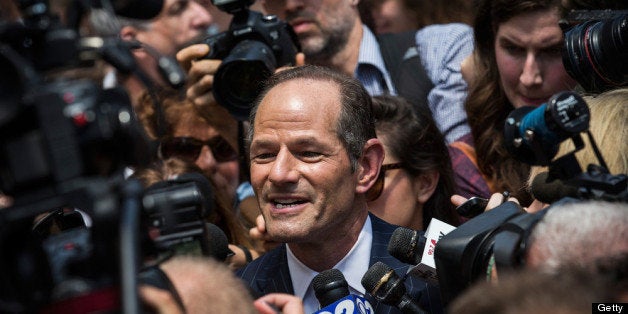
(259, 233)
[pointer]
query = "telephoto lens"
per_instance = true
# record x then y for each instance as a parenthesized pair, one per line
(595, 53)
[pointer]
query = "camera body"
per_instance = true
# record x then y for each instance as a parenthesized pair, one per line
(596, 48)
(178, 209)
(463, 255)
(251, 49)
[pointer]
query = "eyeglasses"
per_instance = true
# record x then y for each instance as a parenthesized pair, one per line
(376, 190)
(189, 148)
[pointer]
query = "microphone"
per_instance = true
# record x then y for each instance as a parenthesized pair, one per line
(135, 9)
(550, 192)
(382, 282)
(413, 247)
(533, 135)
(217, 243)
(406, 245)
(332, 291)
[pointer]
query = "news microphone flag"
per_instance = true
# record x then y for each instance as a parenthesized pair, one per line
(426, 269)
(351, 304)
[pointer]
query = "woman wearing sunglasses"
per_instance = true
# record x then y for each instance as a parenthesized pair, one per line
(187, 135)
(415, 182)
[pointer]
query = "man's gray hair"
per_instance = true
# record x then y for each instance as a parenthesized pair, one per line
(104, 23)
(581, 234)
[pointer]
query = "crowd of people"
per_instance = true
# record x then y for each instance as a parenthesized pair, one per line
(342, 147)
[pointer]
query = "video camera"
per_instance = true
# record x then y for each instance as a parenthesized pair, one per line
(596, 48)
(64, 144)
(253, 47)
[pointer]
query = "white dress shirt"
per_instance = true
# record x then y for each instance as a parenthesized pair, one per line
(353, 266)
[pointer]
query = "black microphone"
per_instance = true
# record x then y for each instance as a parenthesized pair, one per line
(384, 284)
(217, 243)
(332, 291)
(135, 9)
(550, 192)
(409, 246)
(330, 286)
(406, 245)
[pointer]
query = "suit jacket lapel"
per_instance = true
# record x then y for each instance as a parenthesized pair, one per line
(277, 277)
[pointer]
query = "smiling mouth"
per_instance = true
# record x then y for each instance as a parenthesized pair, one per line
(282, 204)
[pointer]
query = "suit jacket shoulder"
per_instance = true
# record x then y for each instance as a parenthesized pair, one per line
(268, 273)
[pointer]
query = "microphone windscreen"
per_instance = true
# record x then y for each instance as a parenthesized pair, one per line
(330, 286)
(372, 279)
(550, 192)
(218, 243)
(403, 245)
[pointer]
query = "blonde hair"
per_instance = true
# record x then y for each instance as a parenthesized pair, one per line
(609, 117)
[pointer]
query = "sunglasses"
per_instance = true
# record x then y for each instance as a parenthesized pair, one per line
(376, 190)
(189, 148)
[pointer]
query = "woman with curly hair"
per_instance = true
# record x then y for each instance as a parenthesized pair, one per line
(517, 62)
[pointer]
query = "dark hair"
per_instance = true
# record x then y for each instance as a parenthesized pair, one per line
(355, 124)
(487, 105)
(414, 139)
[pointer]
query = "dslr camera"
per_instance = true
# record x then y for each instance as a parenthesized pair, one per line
(253, 47)
(596, 48)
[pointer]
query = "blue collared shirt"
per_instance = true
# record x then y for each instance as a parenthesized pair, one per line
(442, 48)
(371, 70)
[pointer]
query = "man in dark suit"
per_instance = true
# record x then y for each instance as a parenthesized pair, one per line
(314, 154)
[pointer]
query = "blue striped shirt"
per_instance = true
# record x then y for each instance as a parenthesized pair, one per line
(441, 49)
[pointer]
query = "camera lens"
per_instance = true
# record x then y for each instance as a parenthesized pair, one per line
(595, 53)
(239, 77)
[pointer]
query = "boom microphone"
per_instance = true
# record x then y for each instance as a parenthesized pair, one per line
(332, 291)
(550, 192)
(384, 284)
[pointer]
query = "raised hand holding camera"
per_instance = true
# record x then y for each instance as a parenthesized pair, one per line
(251, 50)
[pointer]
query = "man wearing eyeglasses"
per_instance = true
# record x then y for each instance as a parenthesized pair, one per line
(314, 156)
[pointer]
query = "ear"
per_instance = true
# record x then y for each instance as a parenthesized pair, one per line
(128, 33)
(369, 165)
(132, 33)
(426, 185)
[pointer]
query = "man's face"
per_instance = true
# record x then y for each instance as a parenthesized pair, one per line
(300, 170)
(179, 22)
(322, 26)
